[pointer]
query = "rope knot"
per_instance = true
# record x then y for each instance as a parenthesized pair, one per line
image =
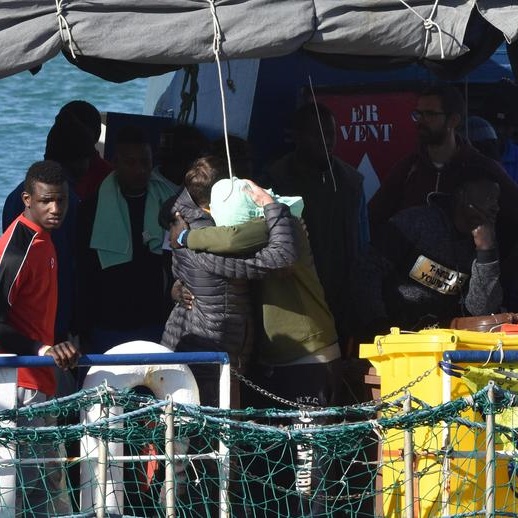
(429, 24)
(64, 27)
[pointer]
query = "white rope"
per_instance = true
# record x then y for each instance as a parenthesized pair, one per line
(498, 347)
(377, 428)
(64, 27)
(216, 49)
(319, 120)
(428, 24)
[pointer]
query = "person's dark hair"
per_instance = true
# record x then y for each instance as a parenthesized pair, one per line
(200, 178)
(179, 147)
(68, 140)
(452, 100)
(87, 114)
(183, 138)
(47, 171)
(132, 135)
(240, 155)
(306, 115)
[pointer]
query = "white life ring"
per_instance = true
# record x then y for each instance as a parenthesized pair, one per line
(163, 380)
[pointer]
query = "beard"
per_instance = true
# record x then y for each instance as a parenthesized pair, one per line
(431, 137)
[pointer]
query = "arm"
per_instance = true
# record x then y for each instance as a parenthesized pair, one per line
(65, 354)
(14, 342)
(12, 276)
(238, 239)
(281, 251)
(485, 291)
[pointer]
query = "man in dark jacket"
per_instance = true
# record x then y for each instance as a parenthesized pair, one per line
(221, 319)
(443, 161)
(432, 263)
(334, 205)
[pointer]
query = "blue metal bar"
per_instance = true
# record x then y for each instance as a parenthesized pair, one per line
(88, 360)
(481, 356)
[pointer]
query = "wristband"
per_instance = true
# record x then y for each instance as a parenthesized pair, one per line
(43, 350)
(182, 237)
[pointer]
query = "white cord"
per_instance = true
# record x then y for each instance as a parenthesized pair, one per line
(64, 26)
(429, 24)
(319, 120)
(498, 347)
(216, 48)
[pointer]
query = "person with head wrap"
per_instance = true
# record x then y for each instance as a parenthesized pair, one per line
(432, 263)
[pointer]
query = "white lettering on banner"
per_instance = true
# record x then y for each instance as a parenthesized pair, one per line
(364, 113)
(304, 464)
(365, 125)
(364, 132)
(437, 277)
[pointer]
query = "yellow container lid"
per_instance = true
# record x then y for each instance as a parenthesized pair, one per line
(435, 341)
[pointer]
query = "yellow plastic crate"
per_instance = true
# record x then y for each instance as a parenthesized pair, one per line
(401, 359)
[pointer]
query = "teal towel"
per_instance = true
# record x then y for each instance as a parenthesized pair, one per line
(111, 234)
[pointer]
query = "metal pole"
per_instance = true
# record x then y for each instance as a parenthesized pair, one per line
(170, 462)
(8, 401)
(446, 464)
(408, 455)
(490, 454)
(102, 466)
(224, 457)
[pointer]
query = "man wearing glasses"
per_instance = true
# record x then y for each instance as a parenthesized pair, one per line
(442, 162)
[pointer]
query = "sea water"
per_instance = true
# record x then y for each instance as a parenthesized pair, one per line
(29, 103)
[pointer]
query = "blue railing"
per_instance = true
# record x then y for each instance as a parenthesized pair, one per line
(88, 360)
(494, 356)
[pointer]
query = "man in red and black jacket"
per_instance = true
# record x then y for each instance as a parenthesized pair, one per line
(28, 301)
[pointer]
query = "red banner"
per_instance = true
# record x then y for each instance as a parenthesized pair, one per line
(374, 131)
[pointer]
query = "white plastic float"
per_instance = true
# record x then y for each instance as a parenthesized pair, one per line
(176, 381)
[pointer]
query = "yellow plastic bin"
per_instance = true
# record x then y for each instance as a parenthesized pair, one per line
(449, 486)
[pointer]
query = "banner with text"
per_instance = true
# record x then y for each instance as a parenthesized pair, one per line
(374, 131)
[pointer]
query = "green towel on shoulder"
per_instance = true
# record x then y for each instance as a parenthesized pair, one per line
(111, 234)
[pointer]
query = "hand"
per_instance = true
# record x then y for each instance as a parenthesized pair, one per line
(258, 195)
(177, 225)
(65, 355)
(182, 295)
(484, 236)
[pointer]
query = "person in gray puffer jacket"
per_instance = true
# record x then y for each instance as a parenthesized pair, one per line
(221, 316)
(432, 263)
